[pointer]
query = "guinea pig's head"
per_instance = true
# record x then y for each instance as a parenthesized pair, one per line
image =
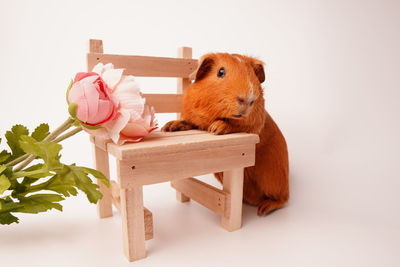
(233, 83)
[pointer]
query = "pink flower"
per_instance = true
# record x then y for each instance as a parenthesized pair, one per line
(92, 96)
(134, 119)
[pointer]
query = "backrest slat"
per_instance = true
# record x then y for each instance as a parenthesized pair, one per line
(146, 66)
(164, 103)
(183, 83)
(181, 68)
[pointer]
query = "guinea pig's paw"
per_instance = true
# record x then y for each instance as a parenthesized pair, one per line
(219, 127)
(267, 206)
(177, 125)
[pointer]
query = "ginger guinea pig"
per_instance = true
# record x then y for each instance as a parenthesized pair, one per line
(227, 97)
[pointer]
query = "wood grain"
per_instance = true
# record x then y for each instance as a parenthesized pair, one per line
(205, 194)
(182, 84)
(233, 184)
(148, 216)
(168, 167)
(133, 223)
(146, 66)
(164, 103)
(180, 143)
(104, 206)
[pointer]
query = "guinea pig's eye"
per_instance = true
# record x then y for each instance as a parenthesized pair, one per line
(221, 73)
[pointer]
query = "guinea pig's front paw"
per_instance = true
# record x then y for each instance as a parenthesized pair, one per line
(178, 125)
(219, 127)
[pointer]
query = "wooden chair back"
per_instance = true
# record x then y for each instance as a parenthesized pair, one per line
(146, 66)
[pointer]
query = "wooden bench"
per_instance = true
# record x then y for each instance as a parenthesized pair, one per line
(175, 157)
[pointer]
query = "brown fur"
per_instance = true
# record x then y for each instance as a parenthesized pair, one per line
(211, 103)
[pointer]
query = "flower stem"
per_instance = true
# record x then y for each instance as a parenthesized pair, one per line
(62, 128)
(67, 135)
(25, 173)
(17, 160)
(56, 140)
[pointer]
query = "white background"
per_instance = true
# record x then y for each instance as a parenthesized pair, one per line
(332, 85)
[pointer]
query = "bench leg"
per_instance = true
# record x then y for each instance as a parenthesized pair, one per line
(133, 228)
(233, 184)
(104, 206)
(180, 196)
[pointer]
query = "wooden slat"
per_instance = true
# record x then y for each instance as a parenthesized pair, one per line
(133, 230)
(183, 83)
(184, 143)
(157, 134)
(167, 167)
(148, 216)
(104, 206)
(233, 184)
(95, 46)
(116, 195)
(148, 224)
(164, 103)
(205, 194)
(146, 66)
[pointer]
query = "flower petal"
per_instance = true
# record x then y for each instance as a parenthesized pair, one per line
(135, 129)
(149, 117)
(105, 108)
(92, 98)
(82, 110)
(128, 95)
(75, 93)
(112, 77)
(128, 83)
(124, 139)
(98, 68)
(108, 66)
(81, 75)
(115, 126)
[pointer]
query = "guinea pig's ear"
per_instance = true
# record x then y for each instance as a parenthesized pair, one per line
(206, 63)
(259, 70)
(258, 67)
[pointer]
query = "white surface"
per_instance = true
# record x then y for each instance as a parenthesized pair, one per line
(332, 85)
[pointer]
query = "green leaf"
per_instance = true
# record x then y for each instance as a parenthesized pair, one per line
(62, 186)
(4, 183)
(80, 176)
(41, 132)
(98, 175)
(4, 155)
(40, 203)
(8, 218)
(48, 151)
(2, 168)
(8, 205)
(39, 174)
(13, 137)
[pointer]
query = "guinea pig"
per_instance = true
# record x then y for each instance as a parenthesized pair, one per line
(226, 97)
